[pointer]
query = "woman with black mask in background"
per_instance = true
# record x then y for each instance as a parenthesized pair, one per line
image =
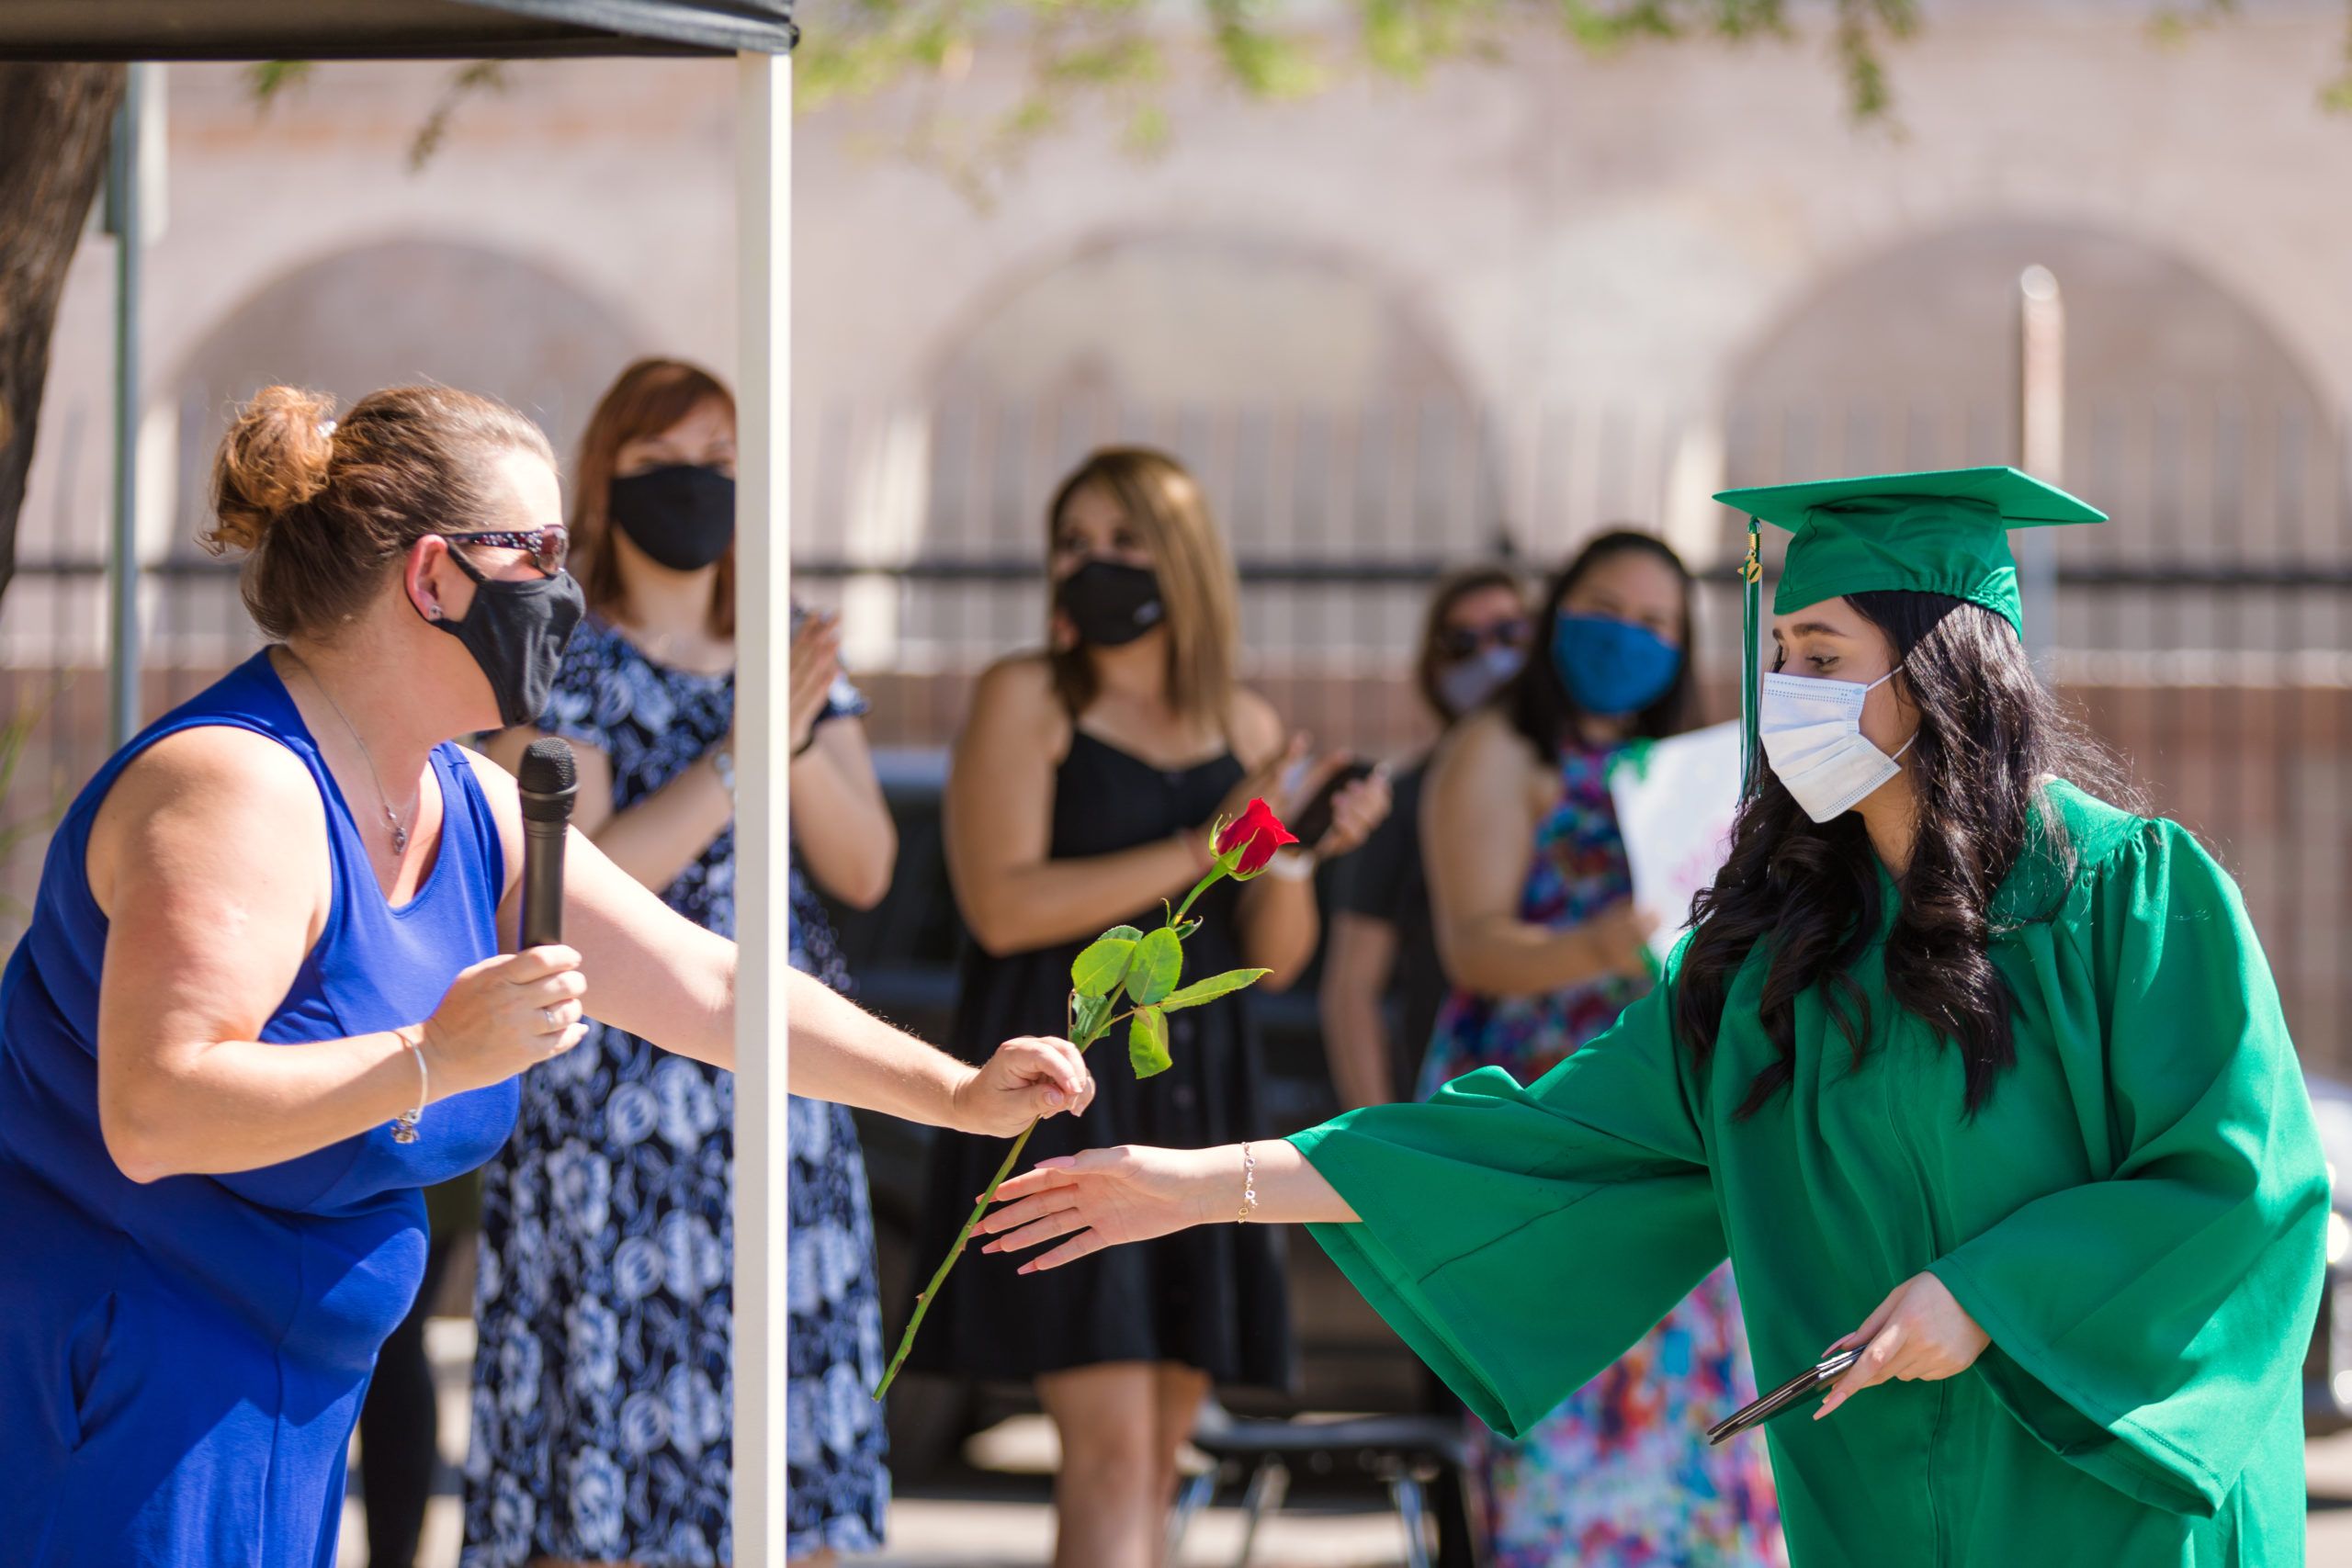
(1080, 794)
(602, 1390)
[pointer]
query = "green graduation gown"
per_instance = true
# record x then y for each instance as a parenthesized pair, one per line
(2137, 1218)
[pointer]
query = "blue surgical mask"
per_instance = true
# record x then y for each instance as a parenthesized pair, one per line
(1611, 667)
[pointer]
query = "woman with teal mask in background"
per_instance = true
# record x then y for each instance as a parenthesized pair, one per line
(1543, 950)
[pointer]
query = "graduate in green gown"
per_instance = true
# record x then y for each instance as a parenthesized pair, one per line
(1960, 1061)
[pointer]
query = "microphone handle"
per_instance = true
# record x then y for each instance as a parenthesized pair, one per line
(542, 881)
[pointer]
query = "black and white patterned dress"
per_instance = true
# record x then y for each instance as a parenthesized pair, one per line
(601, 1378)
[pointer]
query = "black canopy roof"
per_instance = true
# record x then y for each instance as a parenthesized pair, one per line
(387, 30)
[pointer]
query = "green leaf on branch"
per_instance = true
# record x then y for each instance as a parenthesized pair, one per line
(1098, 971)
(1148, 1044)
(1159, 961)
(1212, 988)
(1184, 932)
(268, 78)
(1088, 1017)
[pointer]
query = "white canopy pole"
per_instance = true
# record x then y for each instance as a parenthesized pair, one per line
(762, 643)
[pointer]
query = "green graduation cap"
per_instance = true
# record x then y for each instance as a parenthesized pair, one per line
(1945, 531)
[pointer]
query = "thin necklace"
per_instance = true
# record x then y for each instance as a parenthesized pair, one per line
(391, 818)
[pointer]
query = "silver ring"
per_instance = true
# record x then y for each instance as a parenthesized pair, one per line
(549, 1013)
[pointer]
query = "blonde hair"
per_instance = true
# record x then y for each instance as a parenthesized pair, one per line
(1197, 588)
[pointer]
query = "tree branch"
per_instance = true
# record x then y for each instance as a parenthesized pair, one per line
(56, 124)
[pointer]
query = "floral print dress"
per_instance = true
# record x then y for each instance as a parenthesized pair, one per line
(1619, 1475)
(602, 1387)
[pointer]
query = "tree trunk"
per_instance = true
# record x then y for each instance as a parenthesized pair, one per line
(56, 123)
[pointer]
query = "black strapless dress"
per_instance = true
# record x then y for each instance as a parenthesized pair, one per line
(1211, 1297)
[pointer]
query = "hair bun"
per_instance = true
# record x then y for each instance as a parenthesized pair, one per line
(273, 460)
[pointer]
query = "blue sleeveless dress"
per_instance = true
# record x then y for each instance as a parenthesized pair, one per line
(181, 1362)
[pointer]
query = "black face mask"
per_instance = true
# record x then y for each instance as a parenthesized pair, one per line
(1110, 604)
(516, 631)
(682, 516)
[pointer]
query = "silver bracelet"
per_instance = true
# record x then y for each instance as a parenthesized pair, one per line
(1249, 1186)
(722, 762)
(404, 1124)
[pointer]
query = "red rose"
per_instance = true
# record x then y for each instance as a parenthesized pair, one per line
(1258, 833)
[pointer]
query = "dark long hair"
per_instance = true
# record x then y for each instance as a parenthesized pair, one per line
(1539, 703)
(1990, 735)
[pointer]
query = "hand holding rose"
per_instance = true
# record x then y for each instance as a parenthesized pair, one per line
(1026, 1081)
(1125, 975)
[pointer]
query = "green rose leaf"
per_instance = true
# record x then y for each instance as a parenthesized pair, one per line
(1098, 970)
(1215, 986)
(1160, 960)
(1087, 1019)
(1148, 1044)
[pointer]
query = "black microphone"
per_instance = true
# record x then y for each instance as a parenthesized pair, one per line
(547, 780)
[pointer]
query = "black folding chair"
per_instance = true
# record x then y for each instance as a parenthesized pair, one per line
(1422, 1460)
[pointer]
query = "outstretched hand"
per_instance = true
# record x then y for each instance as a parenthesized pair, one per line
(1024, 1080)
(1103, 1197)
(1920, 1331)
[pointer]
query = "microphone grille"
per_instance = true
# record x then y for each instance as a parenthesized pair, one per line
(548, 767)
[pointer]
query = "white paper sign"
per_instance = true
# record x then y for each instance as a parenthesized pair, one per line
(1675, 801)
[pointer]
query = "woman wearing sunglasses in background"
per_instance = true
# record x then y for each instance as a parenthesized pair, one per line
(604, 1305)
(1474, 640)
(1544, 951)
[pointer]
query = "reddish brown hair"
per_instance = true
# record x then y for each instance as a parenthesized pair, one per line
(322, 511)
(649, 397)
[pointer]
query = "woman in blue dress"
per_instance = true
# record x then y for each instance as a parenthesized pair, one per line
(628, 1365)
(263, 996)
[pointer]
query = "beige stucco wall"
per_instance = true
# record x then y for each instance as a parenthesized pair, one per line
(1561, 233)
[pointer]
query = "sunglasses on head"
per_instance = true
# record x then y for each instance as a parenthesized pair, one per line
(549, 548)
(1465, 642)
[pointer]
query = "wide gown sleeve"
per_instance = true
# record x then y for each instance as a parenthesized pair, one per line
(1521, 1240)
(2147, 1326)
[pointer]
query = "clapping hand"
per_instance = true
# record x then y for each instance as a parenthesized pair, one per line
(816, 664)
(1291, 780)
(1263, 781)
(1356, 810)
